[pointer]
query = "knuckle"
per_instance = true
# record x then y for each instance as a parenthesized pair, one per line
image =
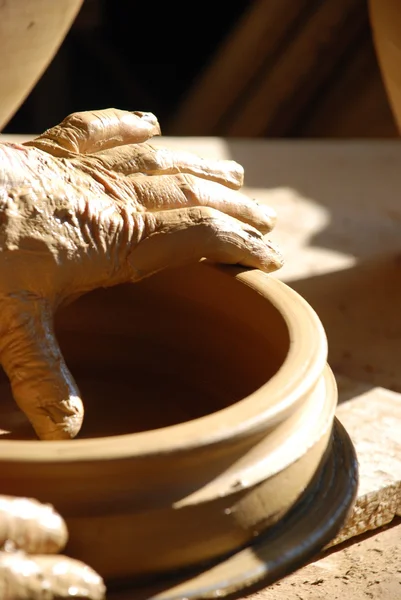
(146, 224)
(79, 120)
(210, 214)
(187, 182)
(72, 117)
(155, 159)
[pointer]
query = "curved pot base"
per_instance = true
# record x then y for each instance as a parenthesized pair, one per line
(301, 534)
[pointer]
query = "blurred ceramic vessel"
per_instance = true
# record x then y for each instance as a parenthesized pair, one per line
(385, 18)
(31, 32)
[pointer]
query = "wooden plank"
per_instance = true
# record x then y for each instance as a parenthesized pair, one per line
(262, 29)
(369, 569)
(373, 420)
(296, 74)
(322, 78)
(366, 570)
(354, 104)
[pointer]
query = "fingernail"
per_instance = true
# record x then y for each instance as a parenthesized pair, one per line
(149, 117)
(64, 418)
(254, 234)
(275, 254)
(269, 218)
(268, 211)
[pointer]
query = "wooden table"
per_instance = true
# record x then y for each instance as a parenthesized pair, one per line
(339, 225)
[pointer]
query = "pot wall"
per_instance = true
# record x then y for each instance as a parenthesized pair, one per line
(176, 479)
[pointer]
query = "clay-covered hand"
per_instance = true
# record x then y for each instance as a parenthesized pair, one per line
(31, 535)
(88, 204)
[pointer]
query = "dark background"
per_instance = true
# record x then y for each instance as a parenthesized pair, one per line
(314, 59)
(114, 56)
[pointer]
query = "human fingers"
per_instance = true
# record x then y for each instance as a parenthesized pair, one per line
(41, 383)
(182, 236)
(29, 525)
(182, 191)
(135, 159)
(47, 577)
(92, 131)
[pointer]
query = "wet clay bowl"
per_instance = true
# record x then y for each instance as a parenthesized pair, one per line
(31, 32)
(209, 407)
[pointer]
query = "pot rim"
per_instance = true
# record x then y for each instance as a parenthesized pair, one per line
(299, 373)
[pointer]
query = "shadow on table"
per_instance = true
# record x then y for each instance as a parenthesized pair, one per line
(360, 307)
(353, 181)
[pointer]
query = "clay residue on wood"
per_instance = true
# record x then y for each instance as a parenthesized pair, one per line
(370, 569)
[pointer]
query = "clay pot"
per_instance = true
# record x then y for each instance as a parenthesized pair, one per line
(385, 19)
(31, 31)
(209, 407)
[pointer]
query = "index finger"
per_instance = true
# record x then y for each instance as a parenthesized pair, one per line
(92, 131)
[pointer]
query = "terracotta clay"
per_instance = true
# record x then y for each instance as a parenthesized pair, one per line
(90, 204)
(31, 32)
(209, 407)
(30, 535)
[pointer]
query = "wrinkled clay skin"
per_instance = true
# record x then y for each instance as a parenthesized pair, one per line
(88, 204)
(30, 536)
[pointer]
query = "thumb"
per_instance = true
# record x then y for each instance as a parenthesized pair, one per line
(41, 383)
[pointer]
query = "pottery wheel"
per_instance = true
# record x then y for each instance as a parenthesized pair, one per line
(311, 524)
